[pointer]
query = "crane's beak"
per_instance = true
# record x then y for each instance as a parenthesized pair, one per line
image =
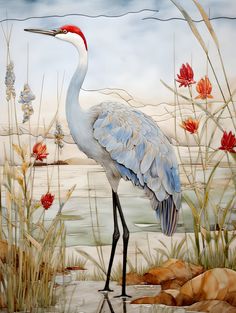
(52, 32)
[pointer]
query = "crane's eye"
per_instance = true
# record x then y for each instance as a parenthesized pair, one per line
(64, 31)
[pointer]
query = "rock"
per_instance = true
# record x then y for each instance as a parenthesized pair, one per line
(231, 298)
(75, 268)
(183, 299)
(172, 292)
(212, 306)
(172, 284)
(161, 298)
(183, 270)
(158, 275)
(214, 284)
(172, 274)
(133, 279)
(196, 269)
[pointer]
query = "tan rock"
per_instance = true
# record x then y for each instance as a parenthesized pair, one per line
(183, 270)
(173, 284)
(75, 268)
(172, 292)
(183, 299)
(212, 306)
(172, 274)
(134, 279)
(196, 269)
(161, 298)
(158, 275)
(214, 284)
(231, 298)
(144, 300)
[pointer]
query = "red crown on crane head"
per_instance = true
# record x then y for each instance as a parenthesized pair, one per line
(75, 30)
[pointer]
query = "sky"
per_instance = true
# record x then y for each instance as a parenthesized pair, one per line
(127, 52)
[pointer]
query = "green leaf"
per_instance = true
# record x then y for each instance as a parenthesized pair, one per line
(208, 185)
(192, 207)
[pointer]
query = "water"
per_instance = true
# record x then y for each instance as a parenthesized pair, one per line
(91, 200)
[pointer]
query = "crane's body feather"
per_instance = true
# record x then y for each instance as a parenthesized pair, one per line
(142, 154)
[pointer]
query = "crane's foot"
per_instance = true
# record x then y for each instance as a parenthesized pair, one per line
(105, 290)
(123, 296)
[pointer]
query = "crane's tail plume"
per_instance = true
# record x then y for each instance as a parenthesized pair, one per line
(168, 214)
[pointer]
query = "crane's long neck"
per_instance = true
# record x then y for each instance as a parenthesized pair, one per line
(72, 98)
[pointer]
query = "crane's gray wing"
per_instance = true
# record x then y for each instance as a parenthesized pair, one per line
(142, 152)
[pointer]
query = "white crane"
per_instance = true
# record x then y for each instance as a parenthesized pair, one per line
(127, 143)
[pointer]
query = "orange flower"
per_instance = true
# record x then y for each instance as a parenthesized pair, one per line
(47, 200)
(204, 88)
(228, 142)
(185, 77)
(190, 125)
(39, 151)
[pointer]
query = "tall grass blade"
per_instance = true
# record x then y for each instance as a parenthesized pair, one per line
(207, 22)
(191, 25)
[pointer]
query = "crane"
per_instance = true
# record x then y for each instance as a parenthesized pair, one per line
(127, 143)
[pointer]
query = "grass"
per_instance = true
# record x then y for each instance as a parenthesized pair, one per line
(34, 253)
(211, 235)
(31, 253)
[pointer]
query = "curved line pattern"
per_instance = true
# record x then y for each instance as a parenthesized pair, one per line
(183, 19)
(117, 16)
(77, 14)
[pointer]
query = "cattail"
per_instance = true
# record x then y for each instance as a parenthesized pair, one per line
(26, 98)
(10, 81)
(59, 135)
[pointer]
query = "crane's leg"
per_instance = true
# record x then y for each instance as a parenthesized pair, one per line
(102, 304)
(125, 247)
(115, 238)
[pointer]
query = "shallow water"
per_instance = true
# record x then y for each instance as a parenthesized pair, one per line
(91, 200)
(85, 298)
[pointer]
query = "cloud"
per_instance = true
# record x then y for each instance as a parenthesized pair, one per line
(126, 52)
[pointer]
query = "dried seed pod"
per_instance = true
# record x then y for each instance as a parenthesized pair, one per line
(10, 81)
(26, 98)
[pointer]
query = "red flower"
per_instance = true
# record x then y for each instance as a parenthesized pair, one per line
(204, 88)
(47, 200)
(191, 125)
(228, 142)
(185, 77)
(39, 151)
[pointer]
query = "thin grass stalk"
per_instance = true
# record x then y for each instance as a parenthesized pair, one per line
(215, 39)
(178, 150)
(226, 78)
(10, 205)
(1, 207)
(231, 169)
(99, 239)
(196, 226)
(98, 244)
(200, 154)
(200, 40)
(7, 36)
(176, 99)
